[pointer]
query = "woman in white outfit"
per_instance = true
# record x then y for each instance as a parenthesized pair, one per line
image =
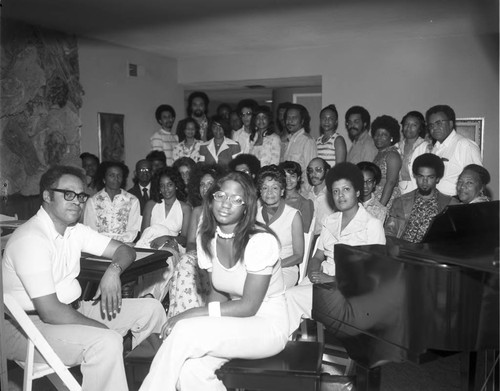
(166, 212)
(246, 316)
(351, 225)
(284, 220)
(164, 224)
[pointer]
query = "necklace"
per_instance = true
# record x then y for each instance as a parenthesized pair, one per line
(223, 235)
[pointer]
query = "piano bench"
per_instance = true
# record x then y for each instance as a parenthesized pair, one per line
(297, 367)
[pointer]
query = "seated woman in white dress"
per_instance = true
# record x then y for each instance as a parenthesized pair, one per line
(351, 225)
(246, 315)
(112, 211)
(284, 220)
(165, 224)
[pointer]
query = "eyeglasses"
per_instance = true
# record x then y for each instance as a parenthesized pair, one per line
(235, 200)
(144, 170)
(369, 181)
(319, 170)
(438, 124)
(247, 114)
(70, 195)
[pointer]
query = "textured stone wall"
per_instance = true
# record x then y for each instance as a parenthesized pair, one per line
(40, 101)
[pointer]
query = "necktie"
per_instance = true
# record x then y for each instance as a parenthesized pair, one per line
(145, 196)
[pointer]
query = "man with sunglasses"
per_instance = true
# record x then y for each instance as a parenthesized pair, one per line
(316, 174)
(245, 109)
(40, 267)
(455, 150)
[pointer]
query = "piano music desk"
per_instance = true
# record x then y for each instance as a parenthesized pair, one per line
(93, 267)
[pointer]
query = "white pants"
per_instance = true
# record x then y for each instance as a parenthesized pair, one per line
(299, 302)
(196, 347)
(290, 276)
(99, 351)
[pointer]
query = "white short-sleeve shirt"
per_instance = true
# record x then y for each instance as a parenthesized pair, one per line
(363, 229)
(261, 256)
(38, 261)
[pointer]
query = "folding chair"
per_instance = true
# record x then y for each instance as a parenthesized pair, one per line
(64, 379)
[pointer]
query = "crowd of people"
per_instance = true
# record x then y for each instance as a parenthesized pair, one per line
(233, 197)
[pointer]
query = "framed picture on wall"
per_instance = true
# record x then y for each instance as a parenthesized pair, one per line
(471, 128)
(111, 137)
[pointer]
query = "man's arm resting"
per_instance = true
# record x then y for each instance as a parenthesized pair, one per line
(52, 311)
(110, 287)
(119, 253)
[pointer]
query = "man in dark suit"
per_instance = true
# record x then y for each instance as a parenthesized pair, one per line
(142, 182)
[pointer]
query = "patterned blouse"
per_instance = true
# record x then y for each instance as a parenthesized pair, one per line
(182, 150)
(381, 161)
(119, 219)
(270, 150)
(422, 213)
(375, 208)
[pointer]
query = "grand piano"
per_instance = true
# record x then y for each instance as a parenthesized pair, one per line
(417, 302)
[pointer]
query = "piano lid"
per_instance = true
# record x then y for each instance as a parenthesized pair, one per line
(457, 222)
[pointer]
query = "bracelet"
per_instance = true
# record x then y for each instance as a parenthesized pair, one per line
(116, 266)
(214, 309)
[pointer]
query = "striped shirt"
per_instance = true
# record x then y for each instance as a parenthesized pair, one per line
(165, 141)
(326, 150)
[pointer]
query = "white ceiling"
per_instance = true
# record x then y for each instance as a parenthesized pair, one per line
(197, 28)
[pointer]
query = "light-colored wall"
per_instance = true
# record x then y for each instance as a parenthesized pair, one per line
(386, 76)
(108, 89)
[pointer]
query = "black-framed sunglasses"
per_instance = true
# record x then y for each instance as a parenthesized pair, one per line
(70, 195)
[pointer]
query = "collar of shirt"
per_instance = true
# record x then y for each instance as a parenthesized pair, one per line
(223, 146)
(357, 224)
(433, 195)
(203, 121)
(120, 196)
(296, 135)
(320, 139)
(164, 131)
(313, 196)
(47, 221)
(447, 141)
(148, 187)
(362, 137)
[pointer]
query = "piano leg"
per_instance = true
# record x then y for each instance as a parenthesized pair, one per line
(468, 364)
(368, 379)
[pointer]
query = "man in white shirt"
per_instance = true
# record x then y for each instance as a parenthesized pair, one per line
(455, 150)
(40, 267)
(316, 174)
(301, 147)
(245, 109)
